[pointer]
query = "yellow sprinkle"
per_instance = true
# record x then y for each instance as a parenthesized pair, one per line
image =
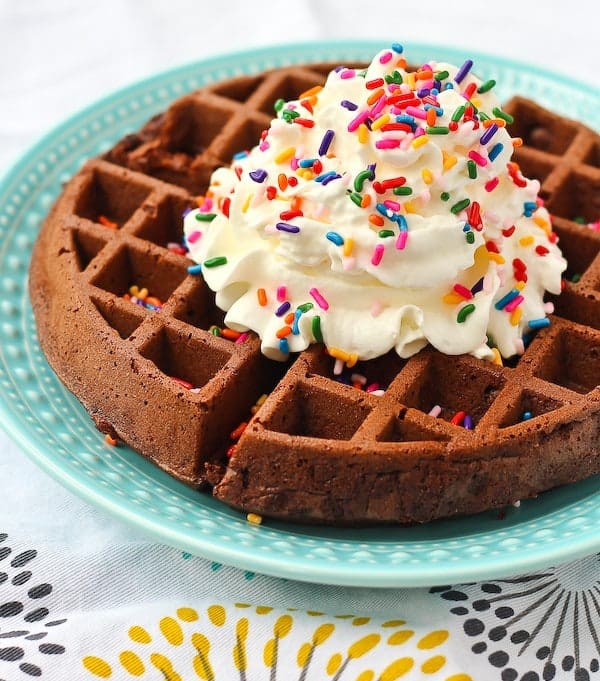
(419, 141)
(542, 222)
(97, 666)
(134, 290)
(400, 637)
(526, 240)
(352, 361)
(433, 639)
(378, 122)
(246, 204)
(363, 133)
(515, 316)
(217, 615)
(285, 155)
(409, 207)
(254, 518)
(306, 173)
(348, 246)
(452, 298)
(411, 79)
(497, 258)
(476, 102)
(139, 634)
(397, 668)
(313, 91)
(497, 357)
(131, 662)
(427, 176)
(520, 285)
(448, 160)
(187, 614)
(433, 664)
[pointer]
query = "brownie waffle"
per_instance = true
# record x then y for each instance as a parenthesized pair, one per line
(135, 334)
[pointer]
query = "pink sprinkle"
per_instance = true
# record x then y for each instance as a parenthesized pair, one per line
(519, 346)
(419, 131)
(387, 144)
(514, 303)
(549, 307)
(348, 73)
(319, 300)
(294, 163)
(193, 237)
(338, 367)
(377, 254)
(478, 158)
(376, 308)
(385, 57)
(264, 145)
(401, 240)
(417, 113)
(281, 293)
(241, 338)
(207, 205)
(377, 108)
(372, 387)
(463, 291)
(435, 411)
(392, 205)
(355, 122)
(490, 185)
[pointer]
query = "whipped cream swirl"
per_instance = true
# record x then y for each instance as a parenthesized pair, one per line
(381, 211)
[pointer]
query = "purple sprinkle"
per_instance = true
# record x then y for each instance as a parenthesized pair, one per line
(283, 308)
(478, 286)
(488, 134)
(329, 178)
(339, 68)
(351, 106)
(468, 422)
(326, 142)
(463, 70)
(286, 227)
(371, 168)
(187, 211)
(259, 175)
(423, 92)
(437, 85)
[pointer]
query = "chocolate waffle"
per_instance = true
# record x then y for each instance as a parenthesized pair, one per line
(154, 368)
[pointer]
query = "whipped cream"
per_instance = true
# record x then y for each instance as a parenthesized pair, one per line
(381, 211)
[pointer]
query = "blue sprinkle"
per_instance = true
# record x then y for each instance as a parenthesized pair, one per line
(505, 300)
(307, 162)
(194, 269)
(401, 221)
(385, 211)
(283, 308)
(409, 120)
(323, 176)
(284, 346)
(526, 415)
(329, 178)
(467, 227)
(286, 227)
(258, 175)
(439, 111)
(437, 84)
(335, 238)
(240, 155)
(295, 328)
(351, 106)
(397, 47)
(539, 323)
(448, 86)
(495, 150)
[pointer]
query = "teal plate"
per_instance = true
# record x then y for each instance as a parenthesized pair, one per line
(54, 430)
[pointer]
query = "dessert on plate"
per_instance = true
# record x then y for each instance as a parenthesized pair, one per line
(359, 318)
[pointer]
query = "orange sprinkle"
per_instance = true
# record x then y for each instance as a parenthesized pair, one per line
(230, 334)
(500, 122)
(237, 433)
(103, 220)
(312, 91)
(284, 331)
(366, 201)
(296, 203)
(497, 258)
(376, 220)
(401, 63)
(515, 316)
(153, 300)
(262, 297)
(110, 440)
(497, 357)
(452, 298)
(282, 181)
(431, 116)
(425, 74)
(289, 318)
(374, 96)
(199, 200)
(517, 142)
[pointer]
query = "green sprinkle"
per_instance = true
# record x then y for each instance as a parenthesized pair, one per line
(483, 116)
(575, 278)
(441, 75)
(470, 237)
(394, 77)
(357, 199)
(360, 179)
(279, 104)
(580, 220)
(215, 262)
(485, 87)
(444, 196)
(464, 312)
(384, 233)
(305, 307)
(472, 168)
(288, 115)
(461, 205)
(437, 130)
(497, 111)
(316, 329)
(402, 191)
(215, 330)
(457, 115)
(205, 217)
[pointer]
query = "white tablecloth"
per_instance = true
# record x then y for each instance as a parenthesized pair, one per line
(83, 596)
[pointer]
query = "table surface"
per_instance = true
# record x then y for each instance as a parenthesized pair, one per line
(83, 596)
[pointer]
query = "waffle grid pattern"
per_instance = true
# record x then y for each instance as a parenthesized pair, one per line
(170, 161)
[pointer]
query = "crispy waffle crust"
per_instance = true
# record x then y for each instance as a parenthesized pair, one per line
(317, 450)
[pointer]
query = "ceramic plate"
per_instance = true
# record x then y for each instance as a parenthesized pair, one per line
(52, 427)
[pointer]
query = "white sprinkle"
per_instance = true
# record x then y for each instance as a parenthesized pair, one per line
(435, 411)
(338, 367)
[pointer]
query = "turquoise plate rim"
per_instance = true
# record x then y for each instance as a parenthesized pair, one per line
(48, 422)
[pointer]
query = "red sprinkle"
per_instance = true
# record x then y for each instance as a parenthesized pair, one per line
(183, 382)
(304, 122)
(508, 232)
(231, 451)
(541, 250)
(271, 192)
(374, 84)
(225, 207)
(292, 181)
(290, 214)
(458, 418)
